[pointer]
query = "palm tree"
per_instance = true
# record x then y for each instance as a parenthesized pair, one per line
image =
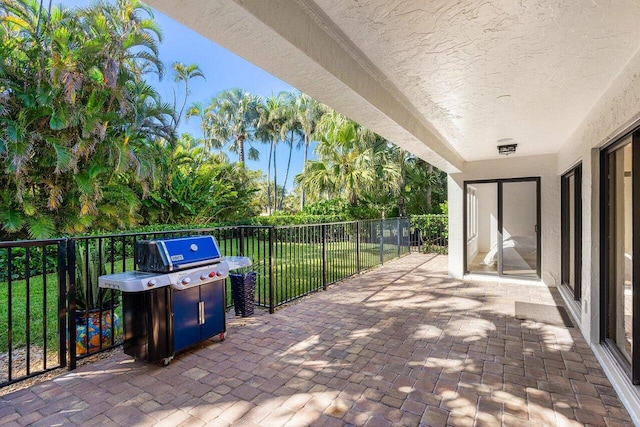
(128, 33)
(230, 120)
(345, 162)
(272, 120)
(183, 73)
(205, 114)
(428, 185)
(291, 131)
(317, 179)
(308, 112)
(392, 165)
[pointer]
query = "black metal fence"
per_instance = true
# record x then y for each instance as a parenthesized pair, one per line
(55, 314)
(32, 308)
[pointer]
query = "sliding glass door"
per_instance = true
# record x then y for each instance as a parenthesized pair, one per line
(519, 228)
(620, 271)
(502, 227)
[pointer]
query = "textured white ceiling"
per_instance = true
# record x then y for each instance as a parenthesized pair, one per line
(480, 71)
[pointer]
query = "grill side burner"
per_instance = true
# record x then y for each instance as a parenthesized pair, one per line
(177, 299)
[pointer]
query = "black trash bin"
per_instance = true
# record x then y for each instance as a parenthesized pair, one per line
(243, 289)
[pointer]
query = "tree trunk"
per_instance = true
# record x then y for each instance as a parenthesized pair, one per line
(402, 203)
(304, 167)
(286, 175)
(269, 179)
(353, 198)
(275, 174)
(428, 198)
(241, 150)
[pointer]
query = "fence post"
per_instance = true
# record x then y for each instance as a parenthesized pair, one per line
(382, 241)
(408, 226)
(358, 246)
(241, 245)
(324, 256)
(10, 313)
(62, 302)
(398, 237)
(71, 298)
(272, 307)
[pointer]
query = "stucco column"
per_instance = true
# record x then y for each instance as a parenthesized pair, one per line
(456, 224)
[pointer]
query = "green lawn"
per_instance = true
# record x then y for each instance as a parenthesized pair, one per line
(297, 271)
(39, 315)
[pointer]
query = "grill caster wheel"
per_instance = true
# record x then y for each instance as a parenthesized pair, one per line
(222, 336)
(167, 361)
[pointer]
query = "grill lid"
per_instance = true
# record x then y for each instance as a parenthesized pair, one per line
(165, 255)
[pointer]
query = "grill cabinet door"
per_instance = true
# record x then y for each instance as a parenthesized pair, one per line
(212, 295)
(186, 330)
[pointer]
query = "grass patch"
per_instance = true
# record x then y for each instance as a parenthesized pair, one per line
(29, 310)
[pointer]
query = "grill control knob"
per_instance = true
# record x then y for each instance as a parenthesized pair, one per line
(152, 282)
(203, 277)
(186, 280)
(219, 273)
(212, 274)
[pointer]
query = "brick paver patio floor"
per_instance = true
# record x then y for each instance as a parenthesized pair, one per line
(400, 345)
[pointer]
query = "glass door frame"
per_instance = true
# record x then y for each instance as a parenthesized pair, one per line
(605, 268)
(499, 182)
(565, 224)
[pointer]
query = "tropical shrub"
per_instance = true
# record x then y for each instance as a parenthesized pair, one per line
(76, 118)
(91, 264)
(431, 232)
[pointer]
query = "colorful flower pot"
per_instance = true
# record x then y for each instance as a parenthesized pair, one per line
(91, 330)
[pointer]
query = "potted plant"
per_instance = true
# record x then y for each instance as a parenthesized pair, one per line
(96, 319)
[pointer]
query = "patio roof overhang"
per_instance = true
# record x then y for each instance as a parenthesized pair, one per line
(443, 80)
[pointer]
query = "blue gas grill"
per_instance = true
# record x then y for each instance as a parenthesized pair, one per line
(176, 298)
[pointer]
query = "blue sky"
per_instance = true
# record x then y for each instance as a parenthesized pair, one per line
(223, 70)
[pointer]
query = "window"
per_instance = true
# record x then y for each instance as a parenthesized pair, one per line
(620, 199)
(571, 225)
(472, 214)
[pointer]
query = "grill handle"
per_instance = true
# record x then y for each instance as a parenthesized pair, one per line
(201, 313)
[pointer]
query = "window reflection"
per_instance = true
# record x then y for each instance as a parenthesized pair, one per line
(620, 250)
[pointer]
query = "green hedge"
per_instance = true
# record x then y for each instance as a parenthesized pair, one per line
(432, 231)
(299, 219)
(272, 220)
(19, 262)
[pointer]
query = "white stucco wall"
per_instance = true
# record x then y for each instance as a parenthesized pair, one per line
(510, 167)
(616, 113)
